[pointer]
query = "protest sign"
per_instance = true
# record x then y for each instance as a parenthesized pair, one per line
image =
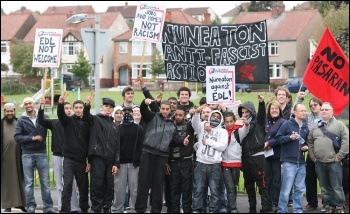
(220, 84)
(149, 21)
(47, 48)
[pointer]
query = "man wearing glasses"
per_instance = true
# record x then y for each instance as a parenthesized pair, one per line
(327, 161)
(311, 119)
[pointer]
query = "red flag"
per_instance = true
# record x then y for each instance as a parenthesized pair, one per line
(327, 75)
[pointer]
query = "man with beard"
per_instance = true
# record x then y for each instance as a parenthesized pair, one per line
(12, 183)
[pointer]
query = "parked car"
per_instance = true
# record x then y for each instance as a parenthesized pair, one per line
(243, 87)
(293, 84)
(72, 82)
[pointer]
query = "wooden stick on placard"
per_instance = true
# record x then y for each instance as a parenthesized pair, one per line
(142, 56)
(44, 84)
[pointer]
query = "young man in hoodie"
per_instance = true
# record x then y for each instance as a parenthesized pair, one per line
(131, 139)
(104, 154)
(75, 152)
(231, 158)
(253, 154)
(32, 138)
(212, 141)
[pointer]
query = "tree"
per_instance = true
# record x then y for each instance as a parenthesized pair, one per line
(256, 6)
(157, 66)
(81, 67)
(216, 21)
(22, 58)
(4, 67)
(2, 12)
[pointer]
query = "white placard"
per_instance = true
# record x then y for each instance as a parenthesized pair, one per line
(220, 84)
(149, 22)
(47, 48)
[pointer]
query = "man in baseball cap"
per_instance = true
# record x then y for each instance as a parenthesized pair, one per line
(108, 101)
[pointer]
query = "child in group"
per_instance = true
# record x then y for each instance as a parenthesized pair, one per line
(231, 158)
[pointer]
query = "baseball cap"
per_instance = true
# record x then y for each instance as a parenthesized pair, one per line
(127, 108)
(108, 101)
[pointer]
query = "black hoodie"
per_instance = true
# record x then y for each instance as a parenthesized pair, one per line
(255, 140)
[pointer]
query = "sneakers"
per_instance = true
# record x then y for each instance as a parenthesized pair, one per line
(290, 203)
(309, 207)
(329, 209)
(323, 209)
(31, 210)
(7, 210)
(339, 210)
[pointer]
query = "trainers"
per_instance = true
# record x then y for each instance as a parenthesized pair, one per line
(52, 211)
(309, 207)
(31, 210)
(290, 203)
(323, 209)
(339, 210)
(7, 210)
(329, 209)
(234, 211)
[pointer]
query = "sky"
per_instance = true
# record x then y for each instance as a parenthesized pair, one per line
(219, 7)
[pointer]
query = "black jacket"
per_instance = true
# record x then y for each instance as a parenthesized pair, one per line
(57, 132)
(178, 150)
(254, 142)
(25, 131)
(104, 138)
(76, 134)
(131, 139)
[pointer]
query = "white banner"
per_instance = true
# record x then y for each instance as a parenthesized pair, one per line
(220, 84)
(47, 48)
(149, 22)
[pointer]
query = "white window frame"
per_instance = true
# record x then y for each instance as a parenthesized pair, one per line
(136, 67)
(71, 48)
(273, 48)
(275, 71)
(123, 47)
(4, 47)
(137, 47)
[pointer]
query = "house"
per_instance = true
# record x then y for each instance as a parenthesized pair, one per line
(228, 16)
(72, 39)
(128, 11)
(70, 9)
(198, 13)
(288, 34)
(14, 26)
(128, 53)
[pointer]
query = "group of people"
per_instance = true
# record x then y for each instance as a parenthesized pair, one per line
(139, 154)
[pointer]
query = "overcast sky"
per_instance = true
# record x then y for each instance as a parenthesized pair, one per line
(219, 7)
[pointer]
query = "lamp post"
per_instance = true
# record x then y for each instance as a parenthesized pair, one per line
(78, 18)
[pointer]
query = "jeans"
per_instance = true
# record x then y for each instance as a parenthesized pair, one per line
(231, 178)
(41, 163)
(293, 175)
(212, 174)
(330, 176)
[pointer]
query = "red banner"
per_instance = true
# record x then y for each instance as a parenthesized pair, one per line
(327, 75)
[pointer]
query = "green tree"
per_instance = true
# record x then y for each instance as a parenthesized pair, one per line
(22, 58)
(216, 21)
(4, 67)
(81, 67)
(2, 12)
(157, 66)
(256, 6)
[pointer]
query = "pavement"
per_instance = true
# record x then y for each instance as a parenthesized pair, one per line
(242, 201)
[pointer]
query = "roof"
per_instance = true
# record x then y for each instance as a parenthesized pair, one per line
(287, 26)
(11, 25)
(177, 16)
(58, 21)
(23, 10)
(126, 11)
(234, 11)
(70, 9)
(304, 6)
(196, 10)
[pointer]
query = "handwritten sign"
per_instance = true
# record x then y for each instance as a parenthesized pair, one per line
(149, 21)
(220, 84)
(188, 49)
(47, 48)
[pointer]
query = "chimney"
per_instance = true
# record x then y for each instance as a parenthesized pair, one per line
(53, 9)
(207, 20)
(23, 9)
(126, 4)
(277, 8)
(168, 16)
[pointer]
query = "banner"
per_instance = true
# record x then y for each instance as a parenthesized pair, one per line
(188, 49)
(220, 84)
(327, 74)
(47, 48)
(149, 21)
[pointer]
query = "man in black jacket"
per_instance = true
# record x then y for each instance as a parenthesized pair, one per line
(104, 153)
(253, 154)
(75, 152)
(57, 134)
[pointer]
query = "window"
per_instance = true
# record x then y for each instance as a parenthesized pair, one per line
(273, 48)
(123, 47)
(3, 48)
(275, 71)
(70, 48)
(145, 71)
(137, 47)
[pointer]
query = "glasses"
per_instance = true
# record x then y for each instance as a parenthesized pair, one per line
(325, 109)
(313, 105)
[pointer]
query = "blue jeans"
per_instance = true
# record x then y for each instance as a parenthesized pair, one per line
(330, 176)
(207, 174)
(292, 175)
(41, 163)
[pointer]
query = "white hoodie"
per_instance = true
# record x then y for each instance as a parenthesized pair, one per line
(215, 144)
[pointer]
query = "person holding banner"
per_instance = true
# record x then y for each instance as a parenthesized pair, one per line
(327, 159)
(32, 138)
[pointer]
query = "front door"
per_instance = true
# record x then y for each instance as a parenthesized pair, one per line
(124, 76)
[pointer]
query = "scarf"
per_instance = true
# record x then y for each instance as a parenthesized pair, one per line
(127, 119)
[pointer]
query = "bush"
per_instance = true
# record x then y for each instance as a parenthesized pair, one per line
(34, 87)
(11, 87)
